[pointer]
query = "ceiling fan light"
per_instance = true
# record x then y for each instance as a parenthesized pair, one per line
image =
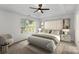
(39, 11)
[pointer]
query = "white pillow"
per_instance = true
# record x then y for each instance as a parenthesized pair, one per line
(56, 32)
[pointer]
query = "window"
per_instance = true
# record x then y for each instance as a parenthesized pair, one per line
(28, 25)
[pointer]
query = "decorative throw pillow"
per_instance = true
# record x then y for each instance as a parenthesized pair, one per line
(56, 32)
(45, 31)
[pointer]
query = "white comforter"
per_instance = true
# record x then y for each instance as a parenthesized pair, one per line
(46, 41)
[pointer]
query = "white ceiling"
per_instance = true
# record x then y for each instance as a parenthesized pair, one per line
(55, 9)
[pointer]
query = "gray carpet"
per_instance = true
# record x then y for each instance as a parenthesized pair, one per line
(67, 48)
(24, 48)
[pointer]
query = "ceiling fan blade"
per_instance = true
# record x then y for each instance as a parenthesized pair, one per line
(39, 8)
(45, 9)
(36, 10)
(33, 8)
(41, 11)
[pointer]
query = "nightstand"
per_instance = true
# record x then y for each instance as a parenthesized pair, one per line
(66, 38)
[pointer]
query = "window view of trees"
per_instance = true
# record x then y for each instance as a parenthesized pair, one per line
(27, 25)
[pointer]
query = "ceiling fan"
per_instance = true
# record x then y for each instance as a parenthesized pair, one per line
(39, 8)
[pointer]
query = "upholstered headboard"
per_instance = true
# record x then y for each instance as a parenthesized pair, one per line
(53, 25)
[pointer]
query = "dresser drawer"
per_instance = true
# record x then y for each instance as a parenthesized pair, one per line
(66, 38)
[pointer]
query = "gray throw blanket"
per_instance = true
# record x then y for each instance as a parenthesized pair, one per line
(47, 37)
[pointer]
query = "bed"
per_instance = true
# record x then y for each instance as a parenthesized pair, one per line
(45, 40)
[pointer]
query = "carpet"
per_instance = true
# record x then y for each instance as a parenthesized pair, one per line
(24, 48)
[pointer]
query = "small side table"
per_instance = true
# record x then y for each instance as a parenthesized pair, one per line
(66, 38)
(4, 48)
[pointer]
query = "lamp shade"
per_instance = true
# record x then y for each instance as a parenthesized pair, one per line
(65, 30)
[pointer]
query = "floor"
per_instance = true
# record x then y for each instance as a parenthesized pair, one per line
(67, 48)
(24, 48)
